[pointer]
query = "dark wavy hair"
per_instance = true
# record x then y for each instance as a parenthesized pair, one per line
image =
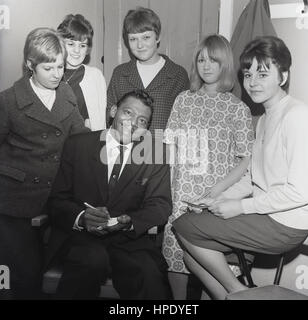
(139, 94)
(76, 27)
(265, 50)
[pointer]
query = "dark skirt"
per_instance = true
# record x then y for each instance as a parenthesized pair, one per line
(251, 232)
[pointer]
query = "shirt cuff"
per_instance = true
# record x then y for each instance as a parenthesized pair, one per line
(76, 225)
(248, 206)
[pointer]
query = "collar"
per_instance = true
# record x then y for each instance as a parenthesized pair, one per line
(25, 95)
(170, 68)
(112, 143)
(160, 63)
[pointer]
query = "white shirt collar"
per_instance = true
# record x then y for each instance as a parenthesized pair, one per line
(112, 143)
(47, 96)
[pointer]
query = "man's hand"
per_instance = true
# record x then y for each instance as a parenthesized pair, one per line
(226, 209)
(124, 223)
(94, 218)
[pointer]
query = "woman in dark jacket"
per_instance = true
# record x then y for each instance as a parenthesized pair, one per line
(37, 114)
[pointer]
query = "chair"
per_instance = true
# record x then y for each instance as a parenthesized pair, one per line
(268, 292)
(246, 269)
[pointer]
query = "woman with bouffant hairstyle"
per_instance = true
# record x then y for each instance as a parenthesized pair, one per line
(87, 82)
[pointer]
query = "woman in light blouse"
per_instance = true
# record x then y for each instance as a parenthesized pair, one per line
(267, 210)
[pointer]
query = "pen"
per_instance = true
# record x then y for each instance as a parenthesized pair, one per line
(91, 207)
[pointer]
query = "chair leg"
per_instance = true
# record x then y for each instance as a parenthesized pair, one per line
(279, 270)
(244, 267)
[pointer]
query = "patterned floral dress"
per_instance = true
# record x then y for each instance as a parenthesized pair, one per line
(212, 132)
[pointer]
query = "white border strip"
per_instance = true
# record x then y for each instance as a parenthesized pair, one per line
(225, 18)
(291, 10)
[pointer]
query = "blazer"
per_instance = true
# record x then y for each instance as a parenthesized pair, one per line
(93, 87)
(31, 141)
(142, 192)
(171, 80)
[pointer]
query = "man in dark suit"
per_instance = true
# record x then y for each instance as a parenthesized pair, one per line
(88, 193)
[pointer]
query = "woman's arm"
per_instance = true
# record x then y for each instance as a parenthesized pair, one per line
(234, 176)
(293, 191)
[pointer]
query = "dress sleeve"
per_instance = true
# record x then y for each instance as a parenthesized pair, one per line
(173, 124)
(244, 133)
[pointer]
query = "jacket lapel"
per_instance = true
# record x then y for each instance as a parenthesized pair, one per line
(26, 98)
(100, 166)
(163, 76)
(132, 75)
(64, 104)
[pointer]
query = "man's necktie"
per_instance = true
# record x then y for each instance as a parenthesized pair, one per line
(116, 169)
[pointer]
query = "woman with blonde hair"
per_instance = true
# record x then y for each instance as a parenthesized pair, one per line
(37, 114)
(210, 132)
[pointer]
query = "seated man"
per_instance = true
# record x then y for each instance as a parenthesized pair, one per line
(88, 193)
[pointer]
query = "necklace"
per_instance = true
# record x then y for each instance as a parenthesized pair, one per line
(71, 76)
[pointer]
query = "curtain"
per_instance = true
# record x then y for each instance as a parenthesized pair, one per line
(254, 21)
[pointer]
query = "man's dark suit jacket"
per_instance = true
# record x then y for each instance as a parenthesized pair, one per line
(142, 192)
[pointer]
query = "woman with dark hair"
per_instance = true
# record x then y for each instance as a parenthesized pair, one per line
(212, 133)
(87, 82)
(37, 114)
(267, 210)
(148, 70)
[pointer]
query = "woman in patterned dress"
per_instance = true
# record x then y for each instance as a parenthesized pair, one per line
(211, 133)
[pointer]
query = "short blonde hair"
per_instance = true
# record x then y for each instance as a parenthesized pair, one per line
(43, 45)
(219, 49)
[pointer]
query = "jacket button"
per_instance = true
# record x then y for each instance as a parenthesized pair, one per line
(58, 133)
(36, 180)
(49, 184)
(44, 135)
(56, 158)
